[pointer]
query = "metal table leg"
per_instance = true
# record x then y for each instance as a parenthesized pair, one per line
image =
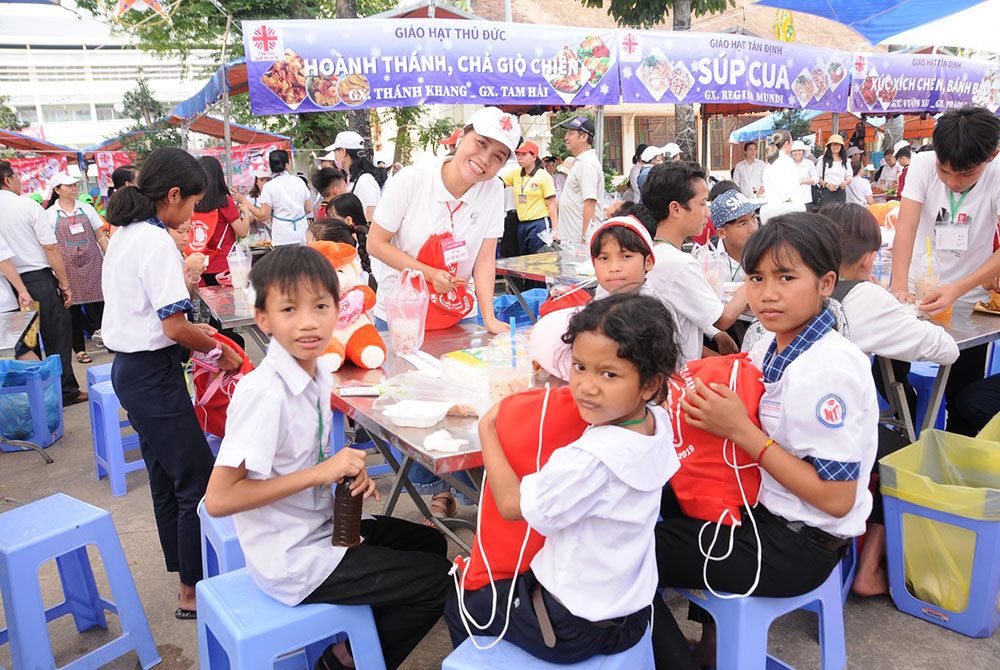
(937, 397)
(897, 400)
(520, 298)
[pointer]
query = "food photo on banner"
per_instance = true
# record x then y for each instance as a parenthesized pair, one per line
(663, 66)
(35, 173)
(291, 66)
(886, 83)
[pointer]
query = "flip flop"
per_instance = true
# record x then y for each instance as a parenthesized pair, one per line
(443, 506)
(185, 615)
(84, 357)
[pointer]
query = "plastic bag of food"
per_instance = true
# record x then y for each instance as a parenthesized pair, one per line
(406, 302)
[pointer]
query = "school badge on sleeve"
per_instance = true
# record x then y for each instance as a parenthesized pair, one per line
(831, 411)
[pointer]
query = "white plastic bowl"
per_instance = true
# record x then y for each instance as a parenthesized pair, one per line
(417, 413)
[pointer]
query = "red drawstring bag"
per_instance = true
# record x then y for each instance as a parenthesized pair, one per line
(574, 297)
(443, 310)
(202, 228)
(707, 485)
(518, 419)
(213, 388)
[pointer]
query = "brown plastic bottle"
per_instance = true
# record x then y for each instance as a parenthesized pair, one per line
(346, 516)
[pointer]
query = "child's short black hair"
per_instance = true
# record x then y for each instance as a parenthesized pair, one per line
(812, 236)
(904, 152)
(669, 182)
(288, 265)
(857, 229)
(627, 239)
(326, 177)
(966, 137)
(644, 330)
(721, 187)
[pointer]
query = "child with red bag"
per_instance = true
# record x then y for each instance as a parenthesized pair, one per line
(595, 500)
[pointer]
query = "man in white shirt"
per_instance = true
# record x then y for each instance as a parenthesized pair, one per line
(749, 173)
(807, 172)
(26, 229)
(888, 175)
(859, 191)
(582, 197)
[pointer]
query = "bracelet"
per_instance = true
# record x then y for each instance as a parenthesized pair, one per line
(767, 444)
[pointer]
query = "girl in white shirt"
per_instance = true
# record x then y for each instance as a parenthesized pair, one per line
(145, 324)
(595, 501)
(817, 441)
(284, 201)
(781, 178)
(835, 172)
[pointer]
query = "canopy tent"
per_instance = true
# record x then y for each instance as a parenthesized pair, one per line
(956, 23)
(211, 93)
(19, 142)
(762, 127)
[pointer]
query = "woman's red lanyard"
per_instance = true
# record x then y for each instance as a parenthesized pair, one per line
(452, 213)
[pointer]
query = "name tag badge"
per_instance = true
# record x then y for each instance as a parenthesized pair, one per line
(952, 238)
(770, 409)
(522, 199)
(455, 251)
(75, 228)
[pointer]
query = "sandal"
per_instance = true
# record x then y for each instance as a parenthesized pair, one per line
(84, 357)
(185, 615)
(443, 506)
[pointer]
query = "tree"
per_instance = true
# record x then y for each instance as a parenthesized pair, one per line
(8, 117)
(793, 121)
(150, 130)
(648, 13)
(557, 145)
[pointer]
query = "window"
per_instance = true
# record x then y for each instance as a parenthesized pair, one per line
(654, 130)
(65, 113)
(27, 114)
(613, 141)
(106, 113)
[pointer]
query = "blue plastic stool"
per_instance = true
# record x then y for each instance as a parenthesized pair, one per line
(981, 616)
(109, 444)
(61, 527)
(743, 624)
(214, 442)
(97, 374)
(506, 656)
(239, 626)
(922, 376)
(220, 548)
(37, 382)
(849, 568)
(338, 440)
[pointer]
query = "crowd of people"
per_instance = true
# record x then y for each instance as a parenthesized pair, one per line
(604, 502)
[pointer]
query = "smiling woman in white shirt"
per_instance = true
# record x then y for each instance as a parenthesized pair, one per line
(145, 323)
(364, 179)
(284, 200)
(835, 173)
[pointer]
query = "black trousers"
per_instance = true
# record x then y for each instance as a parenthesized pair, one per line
(55, 325)
(150, 386)
(401, 571)
(790, 564)
(975, 405)
(86, 319)
(576, 639)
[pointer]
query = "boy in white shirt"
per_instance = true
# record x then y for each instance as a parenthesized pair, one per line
(675, 206)
(271, 474)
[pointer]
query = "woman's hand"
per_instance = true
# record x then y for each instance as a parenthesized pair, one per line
(831, 187)
(902, 294)
(441, 280)
(717, 410)
(726, 344)
(239, 198)
(364, 485)
(992, 284)
(195, 264)
(494, 325)
(941, 299)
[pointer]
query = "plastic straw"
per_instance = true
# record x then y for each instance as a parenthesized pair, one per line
(880, 265)
(930, 268)
(513, 342)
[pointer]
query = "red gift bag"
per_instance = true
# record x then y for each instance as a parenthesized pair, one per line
(574, 297)
(213, 388)
(202, 228)
(444, 309)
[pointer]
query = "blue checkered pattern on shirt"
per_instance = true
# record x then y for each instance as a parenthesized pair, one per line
(835, 471)
(174, 307)
(155, 221)
(774, 365)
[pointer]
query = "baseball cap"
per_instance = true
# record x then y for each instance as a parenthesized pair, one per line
(494, 123)
(328, 157)
(566, 165)
(649, 153)
(264, 173)
(632, 224)
(854, 151)
(528, 147)
(452, 139)
(347, 139)
(799, 145)
(37, 197)
(900, 145)
(671, 149)
(730, 206)
(581, 123)
(63, 179)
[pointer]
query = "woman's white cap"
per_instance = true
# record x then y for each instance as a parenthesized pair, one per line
(347, 139)
(496, 124)
(63, 179)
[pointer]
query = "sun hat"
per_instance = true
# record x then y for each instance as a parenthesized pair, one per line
(567, 165)
(799, 145)
(496, 124)
(854, 151)
(730, 206)
(900, 145)
(328, 157)
(651, 152)
(632, 224)
(671, 149)
(836, 138)
(63, 179)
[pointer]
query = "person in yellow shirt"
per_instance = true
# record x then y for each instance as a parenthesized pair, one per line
(535, 199)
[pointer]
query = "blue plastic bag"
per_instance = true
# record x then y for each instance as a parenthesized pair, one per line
(15, 409)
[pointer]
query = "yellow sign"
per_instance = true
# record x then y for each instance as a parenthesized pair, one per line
(784, 26)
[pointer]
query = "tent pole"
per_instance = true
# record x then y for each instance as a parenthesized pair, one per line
(706, 158)
(835, 123)
(225, 104)
(599, 137)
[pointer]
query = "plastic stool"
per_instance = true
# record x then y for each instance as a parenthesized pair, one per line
(220, 548)
(61, 527)
(41, 379)
(97, 374)
(743, 624)
(922, 375)
(504, 656)
(981, 616)
(849, 568)
(338, 440)
(214, 442)
(239, 626)
(109, 444)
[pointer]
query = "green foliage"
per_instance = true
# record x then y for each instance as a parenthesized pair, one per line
(648, 13)
(8, 117)
(429, 136)
(309, 132)
(140, 105)
(557, 145)
(147, 112)
(792, 120)
(407, 121)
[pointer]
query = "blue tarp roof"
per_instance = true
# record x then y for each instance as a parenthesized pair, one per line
(211, 92)
(762, 127)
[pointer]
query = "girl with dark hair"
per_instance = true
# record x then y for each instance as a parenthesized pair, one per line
(124, 175)
(145, 324)
(284, 201)
(82, 242)
(364, 179)
(348, 207)
(835, 172)
(816, 445)
(216, 222)
(632, 194)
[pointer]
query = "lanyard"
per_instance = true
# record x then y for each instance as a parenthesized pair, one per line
(957, 206)
(452, 213)
(634, 422)
(526, 179)
(660, 239)
(319, 436)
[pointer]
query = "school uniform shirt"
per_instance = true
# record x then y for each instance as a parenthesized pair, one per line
(806, 170)
(677, 280)
(8, 299)
(820, 405)
(87, 209)
(287, 196)
(585, 182)
(858, 191)
(417, 205)
(278, 419)
(749, 177)
(978, 210)
(25, 227)
(881, 325)
(367, 190)
(889, 175)
(596, 502)
(530, 193)
(142, 284)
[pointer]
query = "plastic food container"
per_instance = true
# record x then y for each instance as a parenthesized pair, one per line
(417, 413)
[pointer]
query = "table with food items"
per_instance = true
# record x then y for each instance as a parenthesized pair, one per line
(565, 267)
